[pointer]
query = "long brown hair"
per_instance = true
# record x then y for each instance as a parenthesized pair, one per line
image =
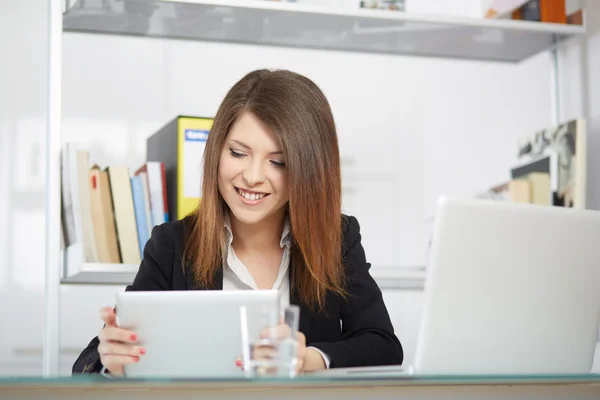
(298, 113)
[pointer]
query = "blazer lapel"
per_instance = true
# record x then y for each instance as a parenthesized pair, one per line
(218, 279)
(216, 285)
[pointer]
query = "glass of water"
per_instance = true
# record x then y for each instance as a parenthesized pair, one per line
(269, 342)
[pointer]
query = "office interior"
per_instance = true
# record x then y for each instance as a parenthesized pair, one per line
(411, 128)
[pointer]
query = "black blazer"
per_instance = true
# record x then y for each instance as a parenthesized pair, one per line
(365, 337)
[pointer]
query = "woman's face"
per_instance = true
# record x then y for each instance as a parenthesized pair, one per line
(253, 178)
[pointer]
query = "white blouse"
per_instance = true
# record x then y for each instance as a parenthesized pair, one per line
(237, 277)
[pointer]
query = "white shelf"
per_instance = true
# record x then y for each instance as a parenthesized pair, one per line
(399, 278)
(104, 274)
(307, 26)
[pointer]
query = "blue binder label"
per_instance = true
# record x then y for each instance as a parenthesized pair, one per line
(196, 135)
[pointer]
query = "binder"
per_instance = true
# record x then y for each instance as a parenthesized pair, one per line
(180, 145)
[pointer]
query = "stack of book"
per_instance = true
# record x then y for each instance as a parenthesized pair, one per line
(548, 11)
(533, 188)
(110, 211)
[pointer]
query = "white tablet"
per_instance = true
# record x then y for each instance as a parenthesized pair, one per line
(189, 334)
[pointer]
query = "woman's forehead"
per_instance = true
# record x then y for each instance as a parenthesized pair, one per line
(249, 132)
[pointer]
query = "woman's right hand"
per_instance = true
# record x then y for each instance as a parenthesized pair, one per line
(118, 346)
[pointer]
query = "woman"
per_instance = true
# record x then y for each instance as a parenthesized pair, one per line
(269, 219)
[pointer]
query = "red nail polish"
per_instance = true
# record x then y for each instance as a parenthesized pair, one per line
(142, 351)
(238, 363)
(136, 359)
(134, 337)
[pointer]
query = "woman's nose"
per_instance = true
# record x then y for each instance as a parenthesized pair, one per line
(253, 175)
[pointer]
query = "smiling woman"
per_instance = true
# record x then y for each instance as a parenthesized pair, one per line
(269, 219)
(265, 117)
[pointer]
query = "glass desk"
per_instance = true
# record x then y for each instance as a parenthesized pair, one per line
(322, 386)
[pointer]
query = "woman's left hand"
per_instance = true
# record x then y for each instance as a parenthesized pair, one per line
(309, 359)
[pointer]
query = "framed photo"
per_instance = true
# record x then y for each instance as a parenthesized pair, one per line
(567, 144)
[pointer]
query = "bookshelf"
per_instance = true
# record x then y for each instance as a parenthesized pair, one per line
(103, 274)
(123, 274)
(258, 23)
(318, 27)
(394, 278)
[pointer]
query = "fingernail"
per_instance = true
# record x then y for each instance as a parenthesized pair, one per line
(238, 362)
(134, 337)
(136, 359)
(142, 351)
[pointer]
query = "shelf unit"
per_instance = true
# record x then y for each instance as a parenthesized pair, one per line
(259, 23)
(318, 27)
(103, 274)
(122, 274)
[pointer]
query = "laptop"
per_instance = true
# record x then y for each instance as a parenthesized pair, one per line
(191, 334)
(510, 289)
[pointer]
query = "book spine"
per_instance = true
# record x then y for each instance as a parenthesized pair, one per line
(140, 212)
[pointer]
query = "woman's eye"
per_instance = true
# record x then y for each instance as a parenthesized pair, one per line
(278, 164)
(235, 153)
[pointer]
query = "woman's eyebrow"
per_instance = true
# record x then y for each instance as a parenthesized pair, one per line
(244, 145)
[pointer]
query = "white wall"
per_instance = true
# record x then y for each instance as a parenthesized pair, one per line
(414, 128)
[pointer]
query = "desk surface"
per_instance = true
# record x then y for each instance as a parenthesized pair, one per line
(357, 386)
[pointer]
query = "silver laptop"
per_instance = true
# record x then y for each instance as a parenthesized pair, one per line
(190, 334)
(510, 289)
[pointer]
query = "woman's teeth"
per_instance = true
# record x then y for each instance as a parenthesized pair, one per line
(251, 196)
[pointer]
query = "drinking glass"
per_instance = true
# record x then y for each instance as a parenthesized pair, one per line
(269, 341)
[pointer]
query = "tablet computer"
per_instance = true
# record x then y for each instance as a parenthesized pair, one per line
(190, 334)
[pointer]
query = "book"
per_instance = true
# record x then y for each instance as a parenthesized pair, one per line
(89, 239)
(553, 11)
(71, 221)
(76, 210)
(125, 220)
(520, 191)
(155, 178)
(103, 218)
(147, 207)
(541, 193)
(139, 206)
(109, 218)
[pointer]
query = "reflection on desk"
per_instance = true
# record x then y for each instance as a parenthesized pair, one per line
(337, 385)
(386, 371)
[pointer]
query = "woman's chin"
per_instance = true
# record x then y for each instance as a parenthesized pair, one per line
(248, 217)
